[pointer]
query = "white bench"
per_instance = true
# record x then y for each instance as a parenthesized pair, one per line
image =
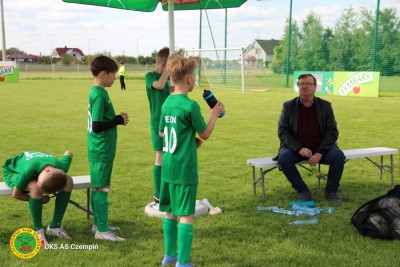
(266, 165)
(79, 183)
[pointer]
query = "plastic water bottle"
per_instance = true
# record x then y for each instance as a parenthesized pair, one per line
(305, 210)
(311, 211)
(209, 97)
(283, 211)
(267, 208)
(298, 222)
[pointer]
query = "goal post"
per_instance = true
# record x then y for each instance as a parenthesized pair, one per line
(220, 68)
(230, 69)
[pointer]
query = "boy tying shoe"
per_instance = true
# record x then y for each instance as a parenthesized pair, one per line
(33, 175)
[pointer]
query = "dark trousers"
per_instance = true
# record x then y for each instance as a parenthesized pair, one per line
(333, 157)
(122, 82)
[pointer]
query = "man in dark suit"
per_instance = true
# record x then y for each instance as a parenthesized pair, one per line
(307, 131)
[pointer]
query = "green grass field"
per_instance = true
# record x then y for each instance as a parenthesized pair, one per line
(51, 116)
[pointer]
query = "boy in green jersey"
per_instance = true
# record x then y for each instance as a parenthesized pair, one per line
(102, 143)
(158, 89)
(180, 120)
(33, 175)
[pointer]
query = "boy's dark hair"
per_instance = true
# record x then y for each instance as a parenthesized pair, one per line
(163, 53)
(103, 63)
(56, 181)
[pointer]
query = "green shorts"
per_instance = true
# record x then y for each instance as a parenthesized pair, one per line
(156, 140)
(177, 199)
(100, 173)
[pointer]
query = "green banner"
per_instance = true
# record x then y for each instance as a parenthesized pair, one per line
(362, 83)
(9, 73)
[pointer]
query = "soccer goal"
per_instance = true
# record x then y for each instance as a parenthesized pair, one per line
(225, 68)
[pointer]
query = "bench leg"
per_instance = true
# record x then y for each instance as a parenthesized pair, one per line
(261, 181)
(88, 211)
(382, 168)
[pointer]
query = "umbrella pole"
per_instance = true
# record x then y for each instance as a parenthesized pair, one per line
(171, 27)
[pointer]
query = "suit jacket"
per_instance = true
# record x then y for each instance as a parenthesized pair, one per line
(287, 125)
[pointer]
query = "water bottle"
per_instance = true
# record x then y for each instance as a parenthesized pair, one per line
(209, 97)
(298, 222)
(283, 211)
(301, 210)
(311, 211)
(267, 208)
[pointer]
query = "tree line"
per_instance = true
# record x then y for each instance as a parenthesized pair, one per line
(349, 46)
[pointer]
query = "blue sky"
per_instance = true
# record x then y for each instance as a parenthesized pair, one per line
(37, 27)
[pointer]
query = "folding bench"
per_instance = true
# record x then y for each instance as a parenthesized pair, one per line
(79, 183)
(265, 165)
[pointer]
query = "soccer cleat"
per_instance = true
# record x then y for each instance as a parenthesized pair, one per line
(58, 232)
(156, 199)
(168, 260)
(108, 236)
(42, 237)
(112, 228)
(188, 264)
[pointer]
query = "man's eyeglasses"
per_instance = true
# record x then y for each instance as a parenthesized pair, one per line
(305, 84)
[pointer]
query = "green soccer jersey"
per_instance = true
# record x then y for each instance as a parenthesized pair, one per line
(101, 146)
(20, 170)
(180, 120)
(156, 97)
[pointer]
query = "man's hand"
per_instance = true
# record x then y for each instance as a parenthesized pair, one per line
(305, 152)
(315, 159)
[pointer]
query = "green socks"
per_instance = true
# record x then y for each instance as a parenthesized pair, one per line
(101, 210)
(170, 236)
(92, 198)
(157, 179)
(59, 208)
(185, 239)
(35, 207)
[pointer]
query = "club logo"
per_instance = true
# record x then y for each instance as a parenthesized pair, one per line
(25, 243)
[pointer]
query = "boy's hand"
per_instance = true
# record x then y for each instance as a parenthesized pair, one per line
(45, 199)
(218, 109)
(68, 153)
(198, 142)
(125, 116)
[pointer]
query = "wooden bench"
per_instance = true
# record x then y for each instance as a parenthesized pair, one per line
(79, 183)
(265, 165)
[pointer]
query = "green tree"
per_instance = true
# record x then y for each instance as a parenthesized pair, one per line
(342, 49)
(279, 62)
(66, 59)
(387, 48)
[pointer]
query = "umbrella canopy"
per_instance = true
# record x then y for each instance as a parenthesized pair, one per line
(170, 6)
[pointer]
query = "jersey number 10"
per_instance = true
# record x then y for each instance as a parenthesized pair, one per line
(170, 140)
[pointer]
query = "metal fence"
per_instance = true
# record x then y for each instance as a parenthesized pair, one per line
(73, 71)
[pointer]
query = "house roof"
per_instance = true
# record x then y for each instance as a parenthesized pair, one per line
(268, 45)
(23, 56)
(63, 50)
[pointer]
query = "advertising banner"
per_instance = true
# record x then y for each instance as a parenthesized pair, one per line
(344, 83)
(9, 73)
